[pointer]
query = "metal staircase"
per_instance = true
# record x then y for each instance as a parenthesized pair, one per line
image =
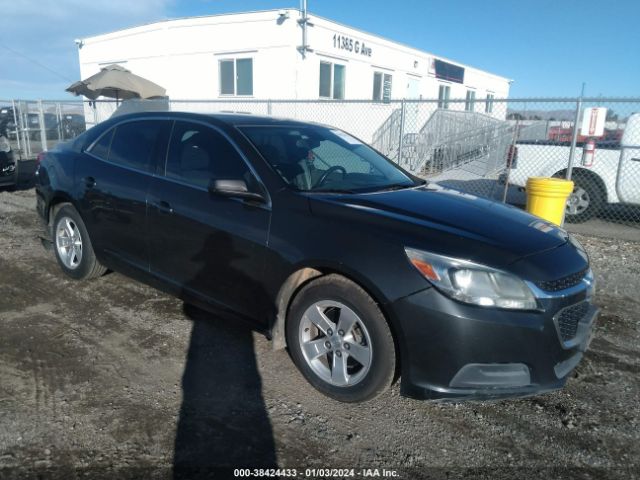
(452, 142)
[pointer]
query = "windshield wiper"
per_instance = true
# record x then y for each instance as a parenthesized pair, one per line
(395, 186)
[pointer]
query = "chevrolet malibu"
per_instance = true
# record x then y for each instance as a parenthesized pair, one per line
(363, 271)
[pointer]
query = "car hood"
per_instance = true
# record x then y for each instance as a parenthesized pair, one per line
(449, 222)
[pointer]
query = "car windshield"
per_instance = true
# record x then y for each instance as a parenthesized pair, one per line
(321, 159)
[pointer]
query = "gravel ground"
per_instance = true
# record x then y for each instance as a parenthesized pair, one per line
(113, 379)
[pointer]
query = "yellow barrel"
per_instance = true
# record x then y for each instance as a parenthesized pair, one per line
(547, 197)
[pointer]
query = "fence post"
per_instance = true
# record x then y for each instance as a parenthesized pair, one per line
(401, 133)
(23, 119)
(43, 130)
(15, 122)
(269, 107)
(59, 121)
(574, 138)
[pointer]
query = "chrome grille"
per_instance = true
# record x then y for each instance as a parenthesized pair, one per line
(562, 283)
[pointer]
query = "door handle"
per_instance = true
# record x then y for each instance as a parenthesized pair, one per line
(90, 182)
(164, 207)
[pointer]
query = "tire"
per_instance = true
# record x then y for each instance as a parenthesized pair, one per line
(586, 201)
(325, 354)
(72, 246)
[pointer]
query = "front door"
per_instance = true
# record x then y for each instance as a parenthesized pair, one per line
(212, 247)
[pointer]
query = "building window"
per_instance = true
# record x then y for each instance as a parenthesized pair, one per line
(331, 80)
(236, 76)
(448, 71)
(338, 81)
(488, 106)
(325, 79)
(470, 102)
(443, 96)
(381, 87)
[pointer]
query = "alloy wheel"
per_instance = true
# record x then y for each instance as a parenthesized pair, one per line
(69, 243)
(335, 343)
(578, 201)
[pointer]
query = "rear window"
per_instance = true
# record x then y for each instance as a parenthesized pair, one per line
(101, 148)
(133, 144)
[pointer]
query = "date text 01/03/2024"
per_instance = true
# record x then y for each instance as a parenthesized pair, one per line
(316, 472)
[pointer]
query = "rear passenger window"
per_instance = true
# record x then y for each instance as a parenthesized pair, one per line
(101, 148)
(134, 143)
(199, 154)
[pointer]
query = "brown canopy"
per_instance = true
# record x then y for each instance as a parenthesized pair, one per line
(117, 82)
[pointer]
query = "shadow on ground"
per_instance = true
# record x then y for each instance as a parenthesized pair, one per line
(223, 420)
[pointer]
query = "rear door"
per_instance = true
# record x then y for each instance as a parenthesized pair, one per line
(211, 247)
(113, 179)
(628, 182)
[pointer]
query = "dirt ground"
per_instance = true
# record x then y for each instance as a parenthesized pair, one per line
(113, 379)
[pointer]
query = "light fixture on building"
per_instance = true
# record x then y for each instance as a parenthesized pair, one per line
(415, 64)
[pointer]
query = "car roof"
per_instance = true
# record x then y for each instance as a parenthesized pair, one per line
(228, 118)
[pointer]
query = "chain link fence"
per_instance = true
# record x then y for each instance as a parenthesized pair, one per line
(486, 148)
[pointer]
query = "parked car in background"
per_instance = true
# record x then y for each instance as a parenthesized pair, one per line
(6, 120)
(57, 127)
(71, 125)
(324, 245)
(68, 126)
(8, 167)
(50, 125)
(612, 178)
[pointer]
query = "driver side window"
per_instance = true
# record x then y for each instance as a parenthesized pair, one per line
(198, 154)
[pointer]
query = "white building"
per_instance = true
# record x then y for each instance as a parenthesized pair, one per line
(241, 60)
(276, 54)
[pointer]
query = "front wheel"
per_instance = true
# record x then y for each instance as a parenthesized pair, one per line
(72, 246)
(340, 340)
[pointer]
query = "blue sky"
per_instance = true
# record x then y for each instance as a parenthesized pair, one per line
(548, 47)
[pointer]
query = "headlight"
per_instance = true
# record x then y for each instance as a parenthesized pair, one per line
(472, 283)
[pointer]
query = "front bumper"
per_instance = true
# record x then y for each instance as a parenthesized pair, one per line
(458, 351)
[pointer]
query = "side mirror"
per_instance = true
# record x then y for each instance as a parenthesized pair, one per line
(234, 189)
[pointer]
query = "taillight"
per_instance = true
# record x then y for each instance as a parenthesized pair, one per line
(512, 157)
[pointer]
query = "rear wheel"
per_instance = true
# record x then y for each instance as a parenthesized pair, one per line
(586, 200)
(340, 340)
(72, 246)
